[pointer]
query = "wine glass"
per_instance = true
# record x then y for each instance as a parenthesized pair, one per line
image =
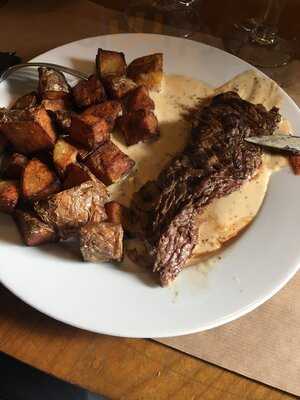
(257, 40)
(177, 17)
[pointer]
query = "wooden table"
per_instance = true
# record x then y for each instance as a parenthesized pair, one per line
(118, 368)
(115, 367)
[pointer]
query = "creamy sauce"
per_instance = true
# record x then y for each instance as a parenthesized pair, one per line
(224, 218)
(177, 95)
(227, 216)
(254, 88)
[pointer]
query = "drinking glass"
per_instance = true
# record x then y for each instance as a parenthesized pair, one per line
(257, 40)
(178, 17)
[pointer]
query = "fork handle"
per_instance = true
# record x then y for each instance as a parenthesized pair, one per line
(5, 74)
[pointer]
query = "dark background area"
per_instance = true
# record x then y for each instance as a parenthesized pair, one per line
(218, 15)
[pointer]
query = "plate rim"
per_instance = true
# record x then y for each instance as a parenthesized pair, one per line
(180, 331)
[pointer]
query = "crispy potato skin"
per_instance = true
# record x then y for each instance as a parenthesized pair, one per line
(3, 111)
(139, 99)
(295, 163)
(118, 86)
(62, 121)
(64, 154)
(9, 196)
(110, 63)
(89, 130)
(83, 153)
(109, 110)
(33, 231)
(114, 212)
(52, 84)
(147, 70)
(101, 242)
(56, 104)
(108, 163)
(88, 92)
(29, 130)
(76, 174)
(27, 101)
(13, 166)
(38, 181)
(70, 209)
(139, 126)
(3, 142)
(59, 193)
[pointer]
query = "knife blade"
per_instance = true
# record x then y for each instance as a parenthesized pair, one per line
(288, 143)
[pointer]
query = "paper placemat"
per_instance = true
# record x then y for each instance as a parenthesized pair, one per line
(265, 344)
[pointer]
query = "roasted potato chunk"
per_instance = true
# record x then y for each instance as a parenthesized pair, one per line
(110, 63)
(38, 181)
(3, 143)
(45, 157)
(13, 166)
(67, 211)
(147, 70)
(108, 163)
(133, 223)
(9, 196)
(3, 139)
(88, 92)
(64, 154)
(89, 130)
(118, 86)
(295, 163)
(52, 84)
(26, 101)
(109, 110)
(101, 242)
(56, 104)
(83, 153)
(62, 121)
(28, 130)
(139, 99)
(33, 231)
(3, 111)
(76, 174)
(139, 126)
(114, 211)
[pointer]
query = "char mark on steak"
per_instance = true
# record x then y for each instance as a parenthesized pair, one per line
(216, 162)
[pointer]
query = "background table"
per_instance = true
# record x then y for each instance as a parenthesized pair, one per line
(115, 367)
(119, 368)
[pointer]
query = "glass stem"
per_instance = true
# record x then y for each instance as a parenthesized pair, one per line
(272, 12)
(173, 5)
(186, 3)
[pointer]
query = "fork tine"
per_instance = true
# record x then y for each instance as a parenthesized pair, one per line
(5, 74)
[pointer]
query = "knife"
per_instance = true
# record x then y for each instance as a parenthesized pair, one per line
(280, 142)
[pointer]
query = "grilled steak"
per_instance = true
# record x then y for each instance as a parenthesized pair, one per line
(215, 162)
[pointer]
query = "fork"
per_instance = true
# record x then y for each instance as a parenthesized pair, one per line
(6, 73)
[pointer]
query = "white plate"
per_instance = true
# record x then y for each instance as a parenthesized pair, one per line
(103, 298)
